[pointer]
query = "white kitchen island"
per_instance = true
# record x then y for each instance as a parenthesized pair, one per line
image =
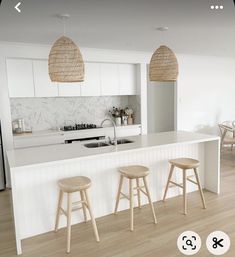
(35, 172)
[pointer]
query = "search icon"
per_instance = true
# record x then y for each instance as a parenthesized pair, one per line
(189, 242)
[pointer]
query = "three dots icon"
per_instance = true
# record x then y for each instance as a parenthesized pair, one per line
(217, 7)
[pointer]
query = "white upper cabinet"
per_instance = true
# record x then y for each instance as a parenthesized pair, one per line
(92, 83)
(109, 79)
(30, 78)
(43, 85)
(20, 78)
(127, 79)
(70, 89)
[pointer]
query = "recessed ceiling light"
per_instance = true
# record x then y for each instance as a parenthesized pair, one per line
(162, 28)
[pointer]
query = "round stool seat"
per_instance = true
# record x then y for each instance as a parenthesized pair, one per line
(185, 163)
(134, 171)
(74, 184)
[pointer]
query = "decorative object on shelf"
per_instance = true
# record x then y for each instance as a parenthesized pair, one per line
(116, 114)
(124, 120)
(65, 60)
(129, 112)
(122, 116)
(163, 65)
(18, 126)
(130, 121)
(118, 121)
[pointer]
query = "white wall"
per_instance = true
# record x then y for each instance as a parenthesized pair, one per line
(206, 90)
(206, 85)
(5, 113)
(161, 106)
(20, 50)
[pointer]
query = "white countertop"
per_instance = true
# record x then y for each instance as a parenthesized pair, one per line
(54, 153)
(51, 132)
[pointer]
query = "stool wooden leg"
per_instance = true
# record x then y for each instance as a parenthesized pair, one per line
(131, 203)
(58, 210)
(185, 191)
(92, 217)
(149, 198)
(83, 205)
(118, 194)
(200, 188)
(69, 211)
(168, 182)
(138, 192)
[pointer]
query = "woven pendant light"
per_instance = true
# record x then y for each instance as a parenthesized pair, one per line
(65, 61)
(163, 65)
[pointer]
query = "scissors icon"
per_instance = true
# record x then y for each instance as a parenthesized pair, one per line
(217, 242)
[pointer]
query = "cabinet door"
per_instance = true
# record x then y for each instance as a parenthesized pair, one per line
(127, 79)
(92, 85)
(70, 89)
(43, 85)
(38, 140)
(20, 78)
(109, 79)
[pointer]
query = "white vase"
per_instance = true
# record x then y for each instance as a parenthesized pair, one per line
(118, 121)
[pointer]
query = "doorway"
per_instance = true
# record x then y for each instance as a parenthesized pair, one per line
(162, 108)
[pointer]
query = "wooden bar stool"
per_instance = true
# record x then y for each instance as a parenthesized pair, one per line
(185, 164)
(134, 173)
(71, 185)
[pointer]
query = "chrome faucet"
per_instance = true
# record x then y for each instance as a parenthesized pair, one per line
(114, 129)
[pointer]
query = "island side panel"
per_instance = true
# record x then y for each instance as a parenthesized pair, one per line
(35, 187)
(16, 216)
(212, 166)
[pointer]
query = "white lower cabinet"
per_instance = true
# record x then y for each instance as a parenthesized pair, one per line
(126, 131)
(34, 141)
(43, 85)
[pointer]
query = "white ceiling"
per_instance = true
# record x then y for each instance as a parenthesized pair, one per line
(125, 24)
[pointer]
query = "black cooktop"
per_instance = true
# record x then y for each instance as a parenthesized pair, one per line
(79, 127)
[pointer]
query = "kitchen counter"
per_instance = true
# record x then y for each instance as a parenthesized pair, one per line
(51, 132)
(52, 137)
(61, 152)
(35, 172)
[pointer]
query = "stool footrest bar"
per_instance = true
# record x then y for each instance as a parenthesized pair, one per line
(176, 184)
(124, 196)
(190, 180)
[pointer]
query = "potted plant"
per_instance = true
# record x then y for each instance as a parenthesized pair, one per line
(116, 114)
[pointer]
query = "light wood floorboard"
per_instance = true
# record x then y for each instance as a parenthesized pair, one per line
(147, 240)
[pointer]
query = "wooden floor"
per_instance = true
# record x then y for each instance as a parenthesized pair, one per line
(147, 239)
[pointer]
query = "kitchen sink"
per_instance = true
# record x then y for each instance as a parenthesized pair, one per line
(102, 144)
(95, 145)
(123, 141)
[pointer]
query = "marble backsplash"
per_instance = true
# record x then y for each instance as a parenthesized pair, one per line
(47, 113)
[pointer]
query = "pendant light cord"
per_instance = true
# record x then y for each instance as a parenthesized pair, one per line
(63, 26)
(64, 18)
(162, 33)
